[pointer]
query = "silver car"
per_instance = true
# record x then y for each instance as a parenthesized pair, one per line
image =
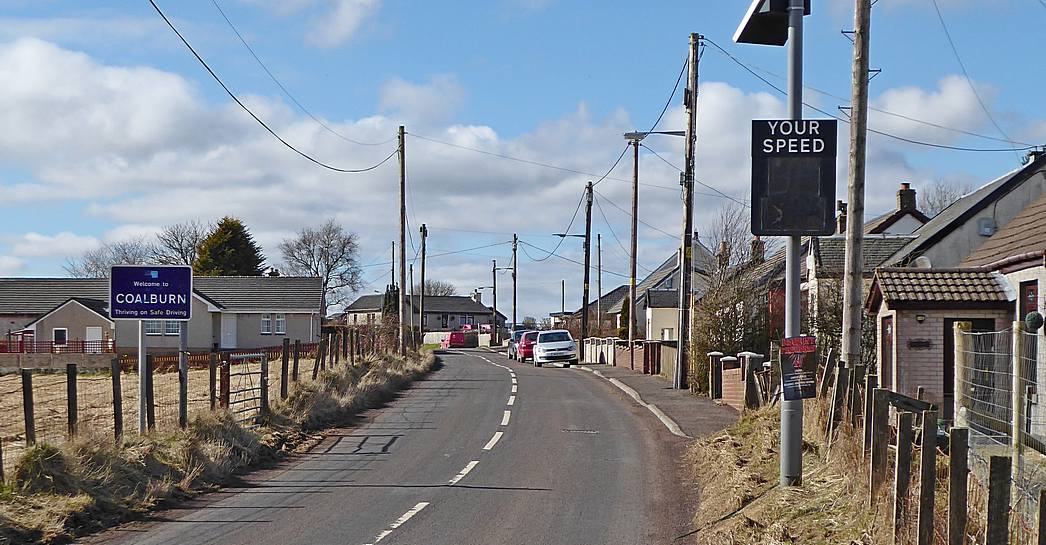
(555, 346)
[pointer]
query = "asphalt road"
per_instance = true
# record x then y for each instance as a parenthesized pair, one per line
(483, 451)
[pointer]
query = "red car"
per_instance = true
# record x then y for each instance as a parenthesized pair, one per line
(456, 339)
(525, 349)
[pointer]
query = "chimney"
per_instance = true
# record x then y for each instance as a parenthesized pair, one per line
(723, 256)
(758, 253)
(477, 297)
(840, 220)
(906, 198)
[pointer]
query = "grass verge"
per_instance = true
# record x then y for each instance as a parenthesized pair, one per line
(57, 493)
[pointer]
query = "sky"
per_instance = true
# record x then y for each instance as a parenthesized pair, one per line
(112, 129)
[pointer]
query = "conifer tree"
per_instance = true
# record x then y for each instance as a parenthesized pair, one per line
(229, 250)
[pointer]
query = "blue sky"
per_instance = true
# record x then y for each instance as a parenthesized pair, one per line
(114, 130)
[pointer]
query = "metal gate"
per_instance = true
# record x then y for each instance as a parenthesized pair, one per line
(248, 397)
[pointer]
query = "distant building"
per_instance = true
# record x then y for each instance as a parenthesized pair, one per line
(442, 312)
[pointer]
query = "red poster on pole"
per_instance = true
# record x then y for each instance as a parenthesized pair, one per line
(799, 367)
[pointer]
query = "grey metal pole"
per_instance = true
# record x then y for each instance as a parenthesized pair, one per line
(792, 411)
(183, 374)
(142, 386)
(515, 270)
(421, 296)
(410, 308)
(494, 308)
(686, 247)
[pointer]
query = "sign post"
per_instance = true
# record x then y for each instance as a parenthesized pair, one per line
(142, 292)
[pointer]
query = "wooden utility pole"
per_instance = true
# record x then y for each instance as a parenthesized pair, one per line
(588, 252)
(562, 296)
(632, 255)
(494, 308)
(599, 284)
(852, 267)
(515, 271)
(401, 295)
(686, 248)
(410, 308)
(421, 296)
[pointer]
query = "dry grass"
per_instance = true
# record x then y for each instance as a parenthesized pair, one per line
(56, 492)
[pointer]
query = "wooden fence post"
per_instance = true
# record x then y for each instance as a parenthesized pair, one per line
(150, 393)
(998, 527)
(264, 385)
(1017, 422)
(223, 395)
(958, 475)
(114, 367)
(856, 402)
(320, 349)
(70, 397)
(345, 345)
(879, 443)
(183, 389)
(829, 372)
(2, 480)
(335, 348)
(961, 365)
(1042, 518)
(285, 359)
(927, 477)
(27, 407)
(871, 382)
(212, 372)
(842, 379)
(902, 475)
(352, 347)
(297, 354)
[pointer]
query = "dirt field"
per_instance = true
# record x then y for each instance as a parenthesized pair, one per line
(95, 402)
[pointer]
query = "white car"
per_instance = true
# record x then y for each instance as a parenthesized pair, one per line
(555, 346)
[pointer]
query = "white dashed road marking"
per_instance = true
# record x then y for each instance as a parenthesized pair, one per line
(504, 419)
(400, 521)
(511, 400)
(513, 388)
(493, 440)
(461, 475)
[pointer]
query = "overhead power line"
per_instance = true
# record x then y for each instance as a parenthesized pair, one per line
(286, 92)
(699, 182)
(255, 116)
(844, 120)
(564, 258)
(629, 214)
(565, 231)
(616, 239)
(965, 73)
(441, 254)
(686, 63)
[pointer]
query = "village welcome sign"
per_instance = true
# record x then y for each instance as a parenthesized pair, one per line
(145, 292)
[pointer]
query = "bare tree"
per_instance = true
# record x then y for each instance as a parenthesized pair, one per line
(436, 288)
(96, 263)
(177, 244)
(328, 252)
(940, 195)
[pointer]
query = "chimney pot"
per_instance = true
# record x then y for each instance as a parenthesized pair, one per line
(906, 198)
(840, 220)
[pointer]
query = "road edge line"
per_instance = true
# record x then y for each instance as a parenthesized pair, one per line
(666, 420)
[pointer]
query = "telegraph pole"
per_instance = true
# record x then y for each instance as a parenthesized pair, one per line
(403, 240)
(852, 272)
(562, 296)
(792, 411)
(599, 284)
(686, 249)
(421, 297)
(632, 254)
(588, 251)
(410, 307)
(515, 271)
(392, 279)
(494, 290)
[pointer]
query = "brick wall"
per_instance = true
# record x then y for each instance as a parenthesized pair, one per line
(734, 388)
(621, 358)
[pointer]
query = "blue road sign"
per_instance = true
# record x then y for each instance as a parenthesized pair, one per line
(140, 292)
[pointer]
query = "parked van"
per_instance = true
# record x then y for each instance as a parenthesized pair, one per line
(456, 339)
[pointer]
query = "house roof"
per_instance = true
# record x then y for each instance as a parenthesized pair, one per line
(703, 262)
(662, 298)
(34, 296)
(96, 306)
(963, 209)
(456, 304)
(880, 224)
(1025, 233)
(909, 288)
(830, 253)
(608, 300)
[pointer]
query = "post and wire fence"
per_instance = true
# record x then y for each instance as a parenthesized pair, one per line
(55, 405)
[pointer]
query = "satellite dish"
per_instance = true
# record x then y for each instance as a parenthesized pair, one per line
(921, 262)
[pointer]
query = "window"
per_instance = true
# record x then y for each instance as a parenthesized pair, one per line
(171, 327)
(668, 334)
(281, 324)
(266, 324)
(554, 337)
(60, 336)
(152, 327)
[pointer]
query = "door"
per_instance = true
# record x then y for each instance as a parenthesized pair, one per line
(886, 349)
(228, 331)
(980, 325)
(93, 340)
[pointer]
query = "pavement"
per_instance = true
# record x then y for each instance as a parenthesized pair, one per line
(481, 451)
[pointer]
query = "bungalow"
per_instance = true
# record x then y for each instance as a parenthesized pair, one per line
(228, 312)
(442, 312)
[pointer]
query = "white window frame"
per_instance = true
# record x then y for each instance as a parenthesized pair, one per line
(266, 323)
(55, 342)
(152, 328)
(279, 326)
(167, 325)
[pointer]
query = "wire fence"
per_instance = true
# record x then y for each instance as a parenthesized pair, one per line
(53, 405)
(996, 396)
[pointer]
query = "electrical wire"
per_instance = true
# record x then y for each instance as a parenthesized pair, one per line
(965, 73)
(615, 205)
(699, 182)
(565, 231)
(612, 167)
(441, 254)
(686, 63)
(286, 91)
(525, 244)
(870, 130)
(255, 116)
(628, 255)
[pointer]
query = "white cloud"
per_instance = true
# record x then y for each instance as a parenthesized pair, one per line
(341, 23)
(953, 104)
(10, 265)
(81, 30)
(64, 244)
(431, 102)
